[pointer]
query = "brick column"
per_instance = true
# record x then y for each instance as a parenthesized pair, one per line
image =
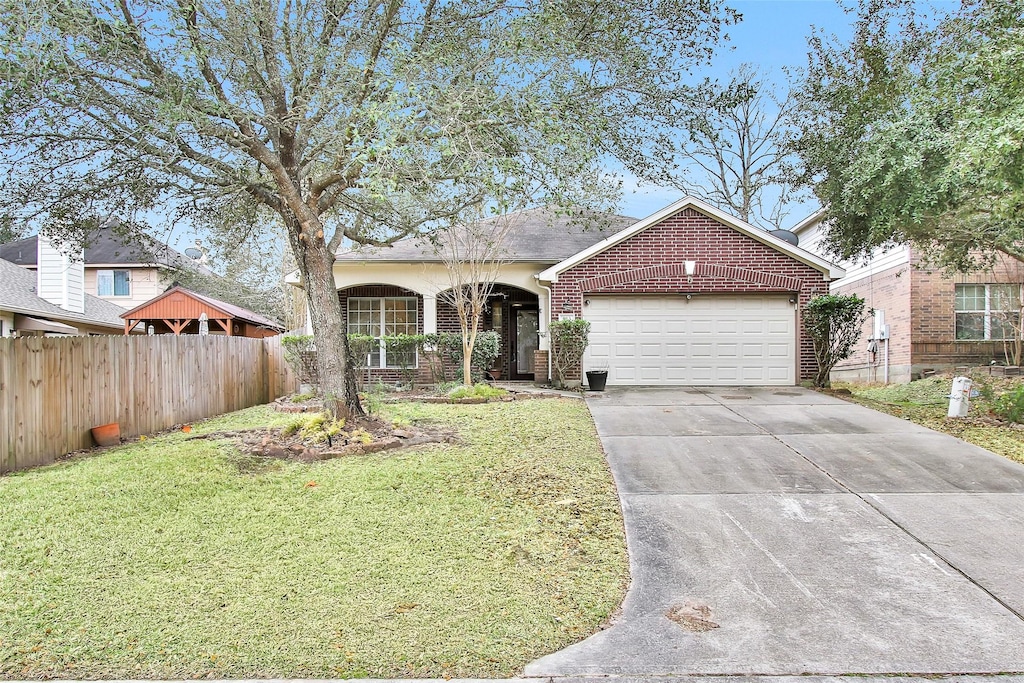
(540, 367)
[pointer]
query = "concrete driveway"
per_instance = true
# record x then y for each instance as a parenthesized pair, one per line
(788, 532)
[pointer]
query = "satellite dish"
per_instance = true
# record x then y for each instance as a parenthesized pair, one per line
(784, 235)
(193, 253)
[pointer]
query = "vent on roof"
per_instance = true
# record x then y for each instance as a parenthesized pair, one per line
(787, 236)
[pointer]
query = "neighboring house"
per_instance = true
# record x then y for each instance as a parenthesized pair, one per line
(51, 300)
(122, 272)
(687, 296)
(179, 311)
(922, 319)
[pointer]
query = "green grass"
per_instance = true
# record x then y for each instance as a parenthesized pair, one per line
(177, 558)
(926, 402)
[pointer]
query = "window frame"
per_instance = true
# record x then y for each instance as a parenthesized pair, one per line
(113, 282)
(378, 317)
(988, 312)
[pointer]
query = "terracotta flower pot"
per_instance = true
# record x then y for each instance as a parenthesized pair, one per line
(107, 435)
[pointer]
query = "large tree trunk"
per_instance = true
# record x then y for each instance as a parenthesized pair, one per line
(337, 378)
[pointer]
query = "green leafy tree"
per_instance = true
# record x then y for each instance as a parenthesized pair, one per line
(913, 132)
(834, 323)
(363, 120)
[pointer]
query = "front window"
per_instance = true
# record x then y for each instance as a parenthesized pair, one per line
(380, 317)
(987, 312)
(113, 283)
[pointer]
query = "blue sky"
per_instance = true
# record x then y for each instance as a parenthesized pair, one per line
(773, 35)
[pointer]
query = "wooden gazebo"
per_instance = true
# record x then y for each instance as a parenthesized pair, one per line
(179, 310)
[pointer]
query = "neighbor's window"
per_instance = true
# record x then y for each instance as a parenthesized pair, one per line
(380, 317)
(987, 311)
(113, 283)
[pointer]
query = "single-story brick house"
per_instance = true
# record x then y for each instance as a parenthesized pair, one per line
(687, 296)
(935, 321)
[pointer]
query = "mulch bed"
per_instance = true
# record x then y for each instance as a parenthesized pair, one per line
(265, 442)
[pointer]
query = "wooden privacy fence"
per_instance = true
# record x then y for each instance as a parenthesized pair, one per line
(53, 390)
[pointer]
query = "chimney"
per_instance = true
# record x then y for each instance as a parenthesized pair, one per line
(60, 276)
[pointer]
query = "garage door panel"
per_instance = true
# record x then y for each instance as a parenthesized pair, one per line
(627, 327)
(754, 351)
(701, 350)
(708, 340)
(726, 350)
(701, 327)
(727, 326)
(625, 351)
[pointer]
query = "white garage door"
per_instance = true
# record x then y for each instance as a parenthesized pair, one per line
(707, 340)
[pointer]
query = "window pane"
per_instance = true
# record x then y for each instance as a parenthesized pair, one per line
(400, 316)
(970, 297)
(970, 325)
(1003, 297)
(1004, 325)
(364, 316)
(121, 286)
(104, 283)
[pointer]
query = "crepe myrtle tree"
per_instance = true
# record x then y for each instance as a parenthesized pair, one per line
(473, 254)
(834, 323)
(357, 121)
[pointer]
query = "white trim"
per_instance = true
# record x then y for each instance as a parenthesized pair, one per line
(829, 270)
(813, 219)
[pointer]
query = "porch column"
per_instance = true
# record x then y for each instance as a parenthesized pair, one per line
(429, 314)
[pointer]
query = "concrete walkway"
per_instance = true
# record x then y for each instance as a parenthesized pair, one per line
(819, 537)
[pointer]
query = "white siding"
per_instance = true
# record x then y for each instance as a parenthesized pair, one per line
(60, 276)
(812, 236)
(145, 283)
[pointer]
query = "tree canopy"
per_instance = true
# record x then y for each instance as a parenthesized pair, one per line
(365, 120)
(735, 148)
(913, 132)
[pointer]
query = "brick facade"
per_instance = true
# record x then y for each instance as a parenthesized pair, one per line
(919, 304)
(727, 261)
(889, 291)
(933, 299)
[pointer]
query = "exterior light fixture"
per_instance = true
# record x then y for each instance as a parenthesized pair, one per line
(691, 268)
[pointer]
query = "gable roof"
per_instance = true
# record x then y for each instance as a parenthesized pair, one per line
(229, 310)
(18, 295)
(106, 247)
(829, 270)
(539, 235)
(815, 218)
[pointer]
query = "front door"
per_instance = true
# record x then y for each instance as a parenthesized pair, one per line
(524, 342)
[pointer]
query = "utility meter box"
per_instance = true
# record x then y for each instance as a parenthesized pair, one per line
(960, 397)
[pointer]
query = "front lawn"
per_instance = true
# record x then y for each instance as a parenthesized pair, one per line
(926, 402)
(175, 557)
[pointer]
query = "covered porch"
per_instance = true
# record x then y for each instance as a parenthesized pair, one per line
(383, 309)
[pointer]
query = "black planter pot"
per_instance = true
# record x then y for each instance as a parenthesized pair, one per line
(596, 379)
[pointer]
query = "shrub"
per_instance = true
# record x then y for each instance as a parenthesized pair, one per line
(1010, 406)
(477, 391)
(569, 340)
(449, 348)
(401, 350)
(833, 322)
(360, 346)
(300, 354)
